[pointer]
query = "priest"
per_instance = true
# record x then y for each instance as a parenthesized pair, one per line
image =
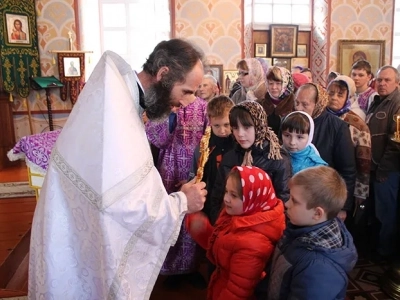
(104, 222)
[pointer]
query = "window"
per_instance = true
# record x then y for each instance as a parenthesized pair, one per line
(396, 36)
(267, 12)
(130, 28)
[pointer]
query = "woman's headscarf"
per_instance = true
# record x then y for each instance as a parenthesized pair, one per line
(287, 82)
(257, 87)
(321, 100)
(351, 90)
(262, 132)
(257, 189)
(311, 133)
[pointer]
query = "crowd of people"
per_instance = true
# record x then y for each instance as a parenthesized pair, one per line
(290, 163)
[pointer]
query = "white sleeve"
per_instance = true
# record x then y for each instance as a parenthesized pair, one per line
(180, 199)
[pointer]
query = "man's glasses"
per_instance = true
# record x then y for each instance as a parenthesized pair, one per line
(241, 73)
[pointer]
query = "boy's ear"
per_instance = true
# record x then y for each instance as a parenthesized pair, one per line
(161, 72)
(319, 213)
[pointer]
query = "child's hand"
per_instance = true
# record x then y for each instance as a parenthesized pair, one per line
(196, 222)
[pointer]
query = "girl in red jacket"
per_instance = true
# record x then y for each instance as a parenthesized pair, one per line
(244, 236)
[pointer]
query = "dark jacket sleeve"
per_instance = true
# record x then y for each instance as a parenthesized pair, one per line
(345, 161)
(217, 194)
(280, 177)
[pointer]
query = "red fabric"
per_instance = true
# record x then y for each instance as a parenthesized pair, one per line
(258, 192)
(299, 79)
(240, 247)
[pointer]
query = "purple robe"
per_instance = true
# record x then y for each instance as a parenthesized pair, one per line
(174, 163)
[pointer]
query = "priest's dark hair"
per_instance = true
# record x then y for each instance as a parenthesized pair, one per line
(178, 55)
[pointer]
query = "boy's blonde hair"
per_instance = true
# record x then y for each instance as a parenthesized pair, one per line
(325, 188)
(219, 106)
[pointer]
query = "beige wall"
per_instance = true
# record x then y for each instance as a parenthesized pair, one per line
(217, 27)
(360, 20)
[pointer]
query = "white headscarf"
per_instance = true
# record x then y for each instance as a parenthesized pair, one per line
(311, 134)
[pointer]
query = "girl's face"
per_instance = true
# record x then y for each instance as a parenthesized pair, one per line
(337, 98)
(274, 88)
(244, 78)
(232, 200)
(244, 135)
(293, 141)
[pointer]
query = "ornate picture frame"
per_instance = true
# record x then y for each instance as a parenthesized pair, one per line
(299, 61)
(216, 71)
(302, 50)
(260, 50)
(283, 40)
(230, 77)
(282, 62)
(71, 65)
(18, 29)
(349, 51)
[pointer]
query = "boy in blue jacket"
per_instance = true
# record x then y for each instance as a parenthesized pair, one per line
(316, 252)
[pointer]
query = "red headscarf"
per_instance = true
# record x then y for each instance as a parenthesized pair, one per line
(258, 192)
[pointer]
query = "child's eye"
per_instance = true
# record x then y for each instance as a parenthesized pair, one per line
(234, 127)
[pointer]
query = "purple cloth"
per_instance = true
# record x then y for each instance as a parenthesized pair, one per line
(174, 163)
(37, 148)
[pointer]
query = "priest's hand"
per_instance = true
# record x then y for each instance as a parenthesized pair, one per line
(195, 194)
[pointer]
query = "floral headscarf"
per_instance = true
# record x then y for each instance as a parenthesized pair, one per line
(257, 189)
(262, 131)
(287, 82)
(257, 79)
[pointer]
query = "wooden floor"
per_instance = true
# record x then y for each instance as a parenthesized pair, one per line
(15, 222)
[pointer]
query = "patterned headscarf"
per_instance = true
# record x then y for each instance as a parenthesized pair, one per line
(257, 189)
(351, 90)
(287, 82)
(257, 79)
(322, 101)
(262, 131)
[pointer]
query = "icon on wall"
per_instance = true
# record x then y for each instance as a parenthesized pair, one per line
(18, 29)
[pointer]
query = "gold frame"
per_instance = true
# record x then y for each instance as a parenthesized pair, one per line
(10, 19)
(350, 51)
(216, 72)
(233, 75)
(284, 62)
(260, 50)
(301, 50)
(284, 40)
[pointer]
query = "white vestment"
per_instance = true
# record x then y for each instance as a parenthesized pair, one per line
(104, 222)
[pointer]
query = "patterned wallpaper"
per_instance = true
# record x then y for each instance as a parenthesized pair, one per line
(222, 31)
(361, 20)
(54, 19)
(215, 26)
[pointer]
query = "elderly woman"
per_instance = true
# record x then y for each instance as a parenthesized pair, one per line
(331, 137)
(252, 80)
(341, 91)
(278, 102)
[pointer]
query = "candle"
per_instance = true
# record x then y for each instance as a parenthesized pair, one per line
(397, 135)
(70, 39)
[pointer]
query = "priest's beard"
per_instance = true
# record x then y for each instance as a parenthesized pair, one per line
(158, 100)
